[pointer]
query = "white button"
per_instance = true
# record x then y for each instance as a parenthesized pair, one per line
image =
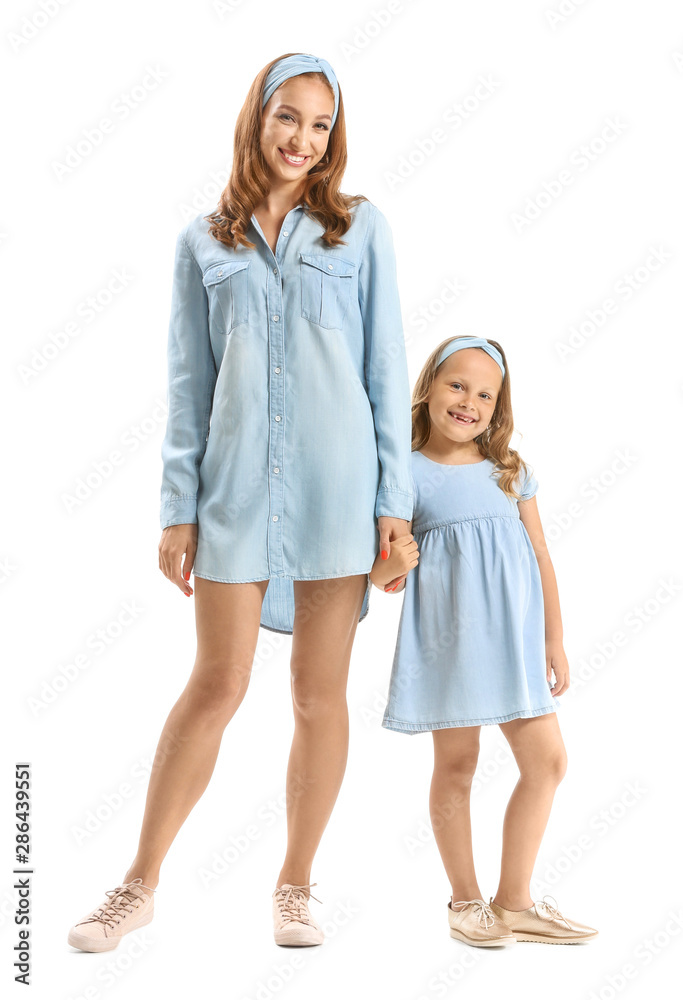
(276, 470)
(275, 517)
(276, 317)
(220, 274)
(278, 418)
(274, 270)
(285, 233)
(330, 267)
(277, 371)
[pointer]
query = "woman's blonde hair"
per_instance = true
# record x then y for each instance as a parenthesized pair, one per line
(249, 180)
(494, 442)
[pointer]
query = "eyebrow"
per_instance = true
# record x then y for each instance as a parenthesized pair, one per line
(296, 111)
(456, 378)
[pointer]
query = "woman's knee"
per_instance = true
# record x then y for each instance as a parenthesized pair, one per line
(316, 701)
(216, 690)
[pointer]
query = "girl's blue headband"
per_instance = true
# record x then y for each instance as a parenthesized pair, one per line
(294, 66)
(462, 342)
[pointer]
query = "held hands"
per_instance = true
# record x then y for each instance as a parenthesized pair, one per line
(178, 540)
(398, 542)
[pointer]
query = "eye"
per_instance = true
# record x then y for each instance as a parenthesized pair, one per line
(458, 384)
(485, 394)
(321, 126)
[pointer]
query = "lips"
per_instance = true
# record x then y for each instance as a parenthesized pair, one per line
(462, 418)
(293, 159)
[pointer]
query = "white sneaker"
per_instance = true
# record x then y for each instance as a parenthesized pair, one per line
(293, 923)
(127, 907)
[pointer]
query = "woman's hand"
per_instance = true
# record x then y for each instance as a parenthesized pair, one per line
(178, 540)
(388, 573)
(390, 529)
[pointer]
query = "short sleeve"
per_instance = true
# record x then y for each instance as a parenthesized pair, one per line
(529, 485)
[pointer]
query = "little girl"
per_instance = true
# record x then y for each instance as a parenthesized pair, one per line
(479, 632)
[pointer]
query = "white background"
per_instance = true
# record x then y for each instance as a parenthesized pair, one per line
(609, 855)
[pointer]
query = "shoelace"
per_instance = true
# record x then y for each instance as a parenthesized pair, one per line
(553, 910)
(292, 902)
(121, 899)
(482, 909)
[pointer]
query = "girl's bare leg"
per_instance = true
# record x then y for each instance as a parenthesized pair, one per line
(456, 752)
(541, 757)
(227, 622)
(327, 613)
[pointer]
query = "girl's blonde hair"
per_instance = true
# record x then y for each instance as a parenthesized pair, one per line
(249, 180)
(494, 442)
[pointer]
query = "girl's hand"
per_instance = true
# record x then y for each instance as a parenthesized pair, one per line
(178, 540)
(388, 573)
(556, 659)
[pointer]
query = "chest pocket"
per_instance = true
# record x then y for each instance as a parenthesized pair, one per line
(326, 283)
(227, 288)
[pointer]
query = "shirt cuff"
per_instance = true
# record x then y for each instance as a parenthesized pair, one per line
(394, 503)
(181, 510)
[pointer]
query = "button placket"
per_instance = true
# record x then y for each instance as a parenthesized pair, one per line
(276, 443)
(276, 395)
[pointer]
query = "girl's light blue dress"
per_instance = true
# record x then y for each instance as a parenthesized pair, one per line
(471, 640)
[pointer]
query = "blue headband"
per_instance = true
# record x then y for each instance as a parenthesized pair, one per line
(462, 342)
(294, 66)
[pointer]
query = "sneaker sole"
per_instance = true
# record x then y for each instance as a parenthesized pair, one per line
(288, 942)
(85, 943)
(543, 939)
(498, 942)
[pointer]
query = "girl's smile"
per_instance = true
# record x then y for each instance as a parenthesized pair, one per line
(462, 418)
(462, 401)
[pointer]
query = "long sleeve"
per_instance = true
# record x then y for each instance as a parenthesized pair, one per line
(386, 368)
(191, 381)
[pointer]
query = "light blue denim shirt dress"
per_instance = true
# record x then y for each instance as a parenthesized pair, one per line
(289, 426)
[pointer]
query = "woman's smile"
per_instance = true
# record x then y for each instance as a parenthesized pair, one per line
(295, 159)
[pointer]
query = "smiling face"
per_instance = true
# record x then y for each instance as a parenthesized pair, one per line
(296, 127)
(463, 398)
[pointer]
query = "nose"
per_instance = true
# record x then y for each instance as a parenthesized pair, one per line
(297, 141)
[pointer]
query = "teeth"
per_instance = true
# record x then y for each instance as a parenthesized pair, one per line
(294, 159)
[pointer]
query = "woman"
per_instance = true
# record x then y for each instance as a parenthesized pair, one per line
(288, 435)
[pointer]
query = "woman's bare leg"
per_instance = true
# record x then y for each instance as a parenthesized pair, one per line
(227, 621)
(541, 757)
(327, 613)
(456, 752)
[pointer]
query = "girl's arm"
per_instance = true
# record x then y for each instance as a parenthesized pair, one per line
(555, 655)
